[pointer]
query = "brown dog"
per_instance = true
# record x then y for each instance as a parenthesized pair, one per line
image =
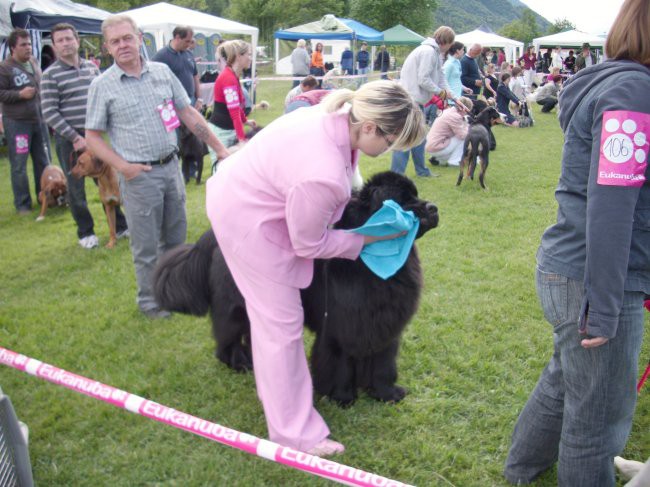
(109, 190)
(53, 189)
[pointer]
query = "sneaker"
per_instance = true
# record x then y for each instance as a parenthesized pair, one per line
(89, 242)
(123, 234)
(156, 313)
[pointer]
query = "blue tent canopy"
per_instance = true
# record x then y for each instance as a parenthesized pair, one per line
(330, 27)
(42, 15)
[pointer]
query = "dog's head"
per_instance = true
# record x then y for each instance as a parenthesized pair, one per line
(87, 165)
(388, 186)
(489, 116)
(478, 107)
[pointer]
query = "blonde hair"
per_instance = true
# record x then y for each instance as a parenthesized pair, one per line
(629, 37)
(444, 35)
(301, 43)
(229, 50)
(467, 102)
(388, 106)
(119, 19)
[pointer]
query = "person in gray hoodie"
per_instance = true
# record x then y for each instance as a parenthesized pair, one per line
(422, 77)
(593, 268)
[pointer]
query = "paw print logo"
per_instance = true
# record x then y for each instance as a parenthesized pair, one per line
(231, 95)
(625, 141)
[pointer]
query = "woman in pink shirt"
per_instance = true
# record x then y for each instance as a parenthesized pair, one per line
(272, 205)
(448, 132)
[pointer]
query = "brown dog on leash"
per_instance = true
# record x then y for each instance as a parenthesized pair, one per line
(109, 189)
(53, 189)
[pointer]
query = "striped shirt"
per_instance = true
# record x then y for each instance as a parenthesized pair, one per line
(127, 108)
(64, 94)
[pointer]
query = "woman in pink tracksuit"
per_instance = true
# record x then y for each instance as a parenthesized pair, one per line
(272, 205)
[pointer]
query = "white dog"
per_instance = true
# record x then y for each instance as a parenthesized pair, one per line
(637, 473)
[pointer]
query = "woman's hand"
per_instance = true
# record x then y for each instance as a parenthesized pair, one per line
(368, 239)
(251, 123)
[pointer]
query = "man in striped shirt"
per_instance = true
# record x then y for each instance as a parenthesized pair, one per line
(64, 93)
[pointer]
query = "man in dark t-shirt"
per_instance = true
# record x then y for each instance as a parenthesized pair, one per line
(180, 60)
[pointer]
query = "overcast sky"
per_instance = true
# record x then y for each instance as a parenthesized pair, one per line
(592, 16)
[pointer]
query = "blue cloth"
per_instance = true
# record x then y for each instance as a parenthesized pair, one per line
(386, 257)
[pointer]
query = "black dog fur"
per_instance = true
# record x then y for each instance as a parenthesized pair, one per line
(357, 317)
(479, 106)
(477, 144)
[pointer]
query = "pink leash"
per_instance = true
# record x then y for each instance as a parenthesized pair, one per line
(647, 369)
(263, 448)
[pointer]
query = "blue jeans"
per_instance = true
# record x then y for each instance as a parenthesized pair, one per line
(39, 147)
(401, 159)
(77, 192)
(580, 412)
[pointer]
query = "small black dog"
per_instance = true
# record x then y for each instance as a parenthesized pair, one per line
(358, 317)
(477, 144)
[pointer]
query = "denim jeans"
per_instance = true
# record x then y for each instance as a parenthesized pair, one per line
(401, 158)
(39, 147)
(77, 192)
(580, 412)
(154, 203)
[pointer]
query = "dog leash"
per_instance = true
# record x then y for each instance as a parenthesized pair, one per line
(645, 375)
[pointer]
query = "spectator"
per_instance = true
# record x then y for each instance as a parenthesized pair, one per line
(299, 62)
(593, 268)
(94, 60)
(228, 114)
(382, 62)
(491, 82)
(501, 58)
(470, 73)
(504, 96)
(547, 95)
(294, 196)
(363, 61)
(317, 66)
(586, 58)
(555, 71)
(25, 131)
(452, 70)
(64, 93)
(517, 84)
(306, 99)
(347, 61)
(570, 62)
(422, 77)
(179, 58)
(556, 59)
(137, 103)
(308, 83)
(528, 62)
(483, 59)
(446, 138)
(547, 60)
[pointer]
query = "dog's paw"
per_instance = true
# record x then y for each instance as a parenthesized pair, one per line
(343, 399)
(392, 394)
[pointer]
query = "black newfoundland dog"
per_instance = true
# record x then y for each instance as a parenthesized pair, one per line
(357, 316)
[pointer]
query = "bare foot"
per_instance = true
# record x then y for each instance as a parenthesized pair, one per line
(327, 448)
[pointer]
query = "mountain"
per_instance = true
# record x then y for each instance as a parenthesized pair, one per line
(466, 15)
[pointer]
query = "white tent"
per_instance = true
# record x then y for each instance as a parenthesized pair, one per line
(160, 19)
(511, 47)
(570, 38)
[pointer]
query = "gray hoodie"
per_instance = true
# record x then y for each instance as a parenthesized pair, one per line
(422, 74)
(602, 234)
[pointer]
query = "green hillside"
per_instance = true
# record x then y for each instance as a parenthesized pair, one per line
(466, 15)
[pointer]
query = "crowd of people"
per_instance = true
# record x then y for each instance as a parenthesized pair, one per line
(277, 207)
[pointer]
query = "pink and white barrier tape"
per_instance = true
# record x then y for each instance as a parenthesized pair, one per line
(263, 448)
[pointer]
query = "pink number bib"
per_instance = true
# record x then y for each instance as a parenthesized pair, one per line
(624, 148)
(168, 116)
(22, 144)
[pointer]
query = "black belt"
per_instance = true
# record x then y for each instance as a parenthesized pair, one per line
(160, 162)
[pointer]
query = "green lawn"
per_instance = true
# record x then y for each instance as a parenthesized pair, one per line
(469, 359)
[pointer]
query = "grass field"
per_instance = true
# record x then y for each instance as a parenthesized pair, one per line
(469, 358)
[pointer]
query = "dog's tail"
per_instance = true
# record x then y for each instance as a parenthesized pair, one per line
(181, 279)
